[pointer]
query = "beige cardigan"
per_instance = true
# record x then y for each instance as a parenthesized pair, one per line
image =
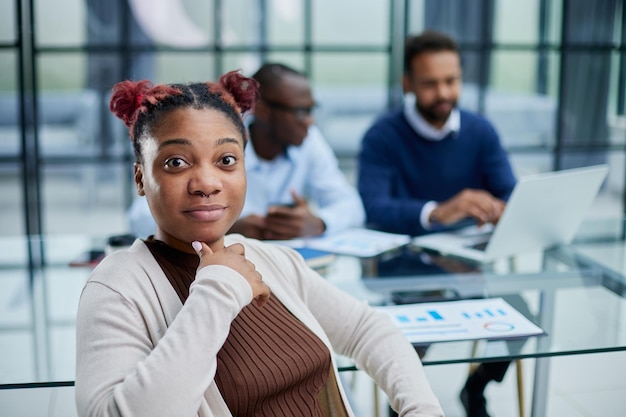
(140, 352)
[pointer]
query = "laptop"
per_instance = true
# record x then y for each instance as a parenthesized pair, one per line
(544, 210)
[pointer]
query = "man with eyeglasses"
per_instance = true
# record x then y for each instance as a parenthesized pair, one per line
(295, 187)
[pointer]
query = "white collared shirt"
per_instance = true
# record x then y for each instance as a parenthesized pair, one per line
(425, 129)
(312, 171)
(428, 131)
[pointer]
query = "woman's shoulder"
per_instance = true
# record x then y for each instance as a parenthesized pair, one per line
(123, 267)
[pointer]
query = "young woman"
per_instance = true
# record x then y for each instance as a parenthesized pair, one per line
(190, 322)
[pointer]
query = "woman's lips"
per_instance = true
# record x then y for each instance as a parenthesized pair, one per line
(206, 213)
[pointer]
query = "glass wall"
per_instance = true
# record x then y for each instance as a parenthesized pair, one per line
(550, 75)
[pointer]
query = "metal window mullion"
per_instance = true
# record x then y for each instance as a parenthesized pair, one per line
(486, 41)
(218, 61)
(543, 61)
(308, 38)
(560, 112)
(28, 112)
(263, 29)
(621, 82)
(398, 11)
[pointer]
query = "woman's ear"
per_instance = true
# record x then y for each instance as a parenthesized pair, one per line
(138, 175)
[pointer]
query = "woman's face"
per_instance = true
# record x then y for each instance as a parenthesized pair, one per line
(193, 177)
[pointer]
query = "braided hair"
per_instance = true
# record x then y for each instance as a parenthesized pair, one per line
(140, 104)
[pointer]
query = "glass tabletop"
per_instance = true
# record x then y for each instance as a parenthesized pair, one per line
(576, 294)
(579, 304)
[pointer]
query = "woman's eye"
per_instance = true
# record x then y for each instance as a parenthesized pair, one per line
(175, 163)
(228, 160)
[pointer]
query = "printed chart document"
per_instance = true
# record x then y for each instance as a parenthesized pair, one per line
(490, 318)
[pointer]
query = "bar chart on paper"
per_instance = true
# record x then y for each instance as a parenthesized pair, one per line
(491, 318)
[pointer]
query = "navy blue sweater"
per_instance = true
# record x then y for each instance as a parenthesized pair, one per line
(399, 170)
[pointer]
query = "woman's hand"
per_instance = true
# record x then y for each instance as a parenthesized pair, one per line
(233, 256)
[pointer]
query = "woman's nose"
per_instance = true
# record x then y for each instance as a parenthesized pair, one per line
(205, 181)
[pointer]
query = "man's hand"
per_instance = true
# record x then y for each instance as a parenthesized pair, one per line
(478, 204)
(282, 222)
(250, 226)
(233, 256)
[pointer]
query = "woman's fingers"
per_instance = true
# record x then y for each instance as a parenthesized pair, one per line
(201, 248)
(233, 256)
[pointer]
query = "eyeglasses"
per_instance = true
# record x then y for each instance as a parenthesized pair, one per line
(300, 113)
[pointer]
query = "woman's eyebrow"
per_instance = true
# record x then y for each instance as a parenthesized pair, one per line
(223, 141)
(187, 142)
(177, 141)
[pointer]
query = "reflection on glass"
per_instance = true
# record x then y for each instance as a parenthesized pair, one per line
(248, 63)
(240, 23)
(585, 109)
(167, 22)
(10, 138)
(61, 72)
(9, 106)
(285, 22)
(522, 116)
(349, 98)
(368, 22)
(69, 122)
(61, 23)
(183, 67)
(511, 21)
(514, 71)
(464, 20)
(115, 23)
(8, 63)
(346, 69)
(8, 27)
(11, 204)
(85, 199)
(293, 59)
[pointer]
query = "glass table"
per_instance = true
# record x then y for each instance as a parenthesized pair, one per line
(577, 294)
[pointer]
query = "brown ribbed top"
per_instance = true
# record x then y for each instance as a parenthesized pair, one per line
(271, 364)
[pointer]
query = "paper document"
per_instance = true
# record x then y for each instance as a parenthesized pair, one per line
(491, 318)
(316, 259)
(363, 243)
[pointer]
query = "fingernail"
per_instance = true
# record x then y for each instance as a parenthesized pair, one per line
(196, 245)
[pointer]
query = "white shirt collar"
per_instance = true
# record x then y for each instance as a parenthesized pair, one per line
(422, 127)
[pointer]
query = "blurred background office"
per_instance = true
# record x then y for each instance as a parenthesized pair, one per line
(549, 74)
